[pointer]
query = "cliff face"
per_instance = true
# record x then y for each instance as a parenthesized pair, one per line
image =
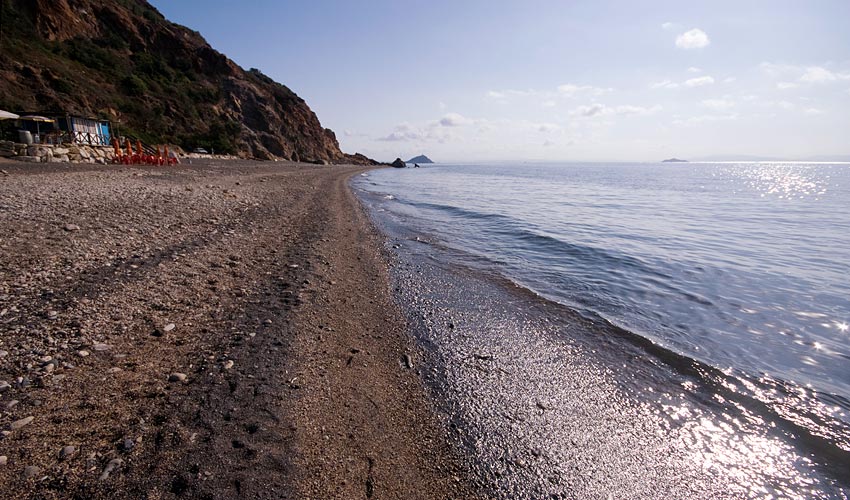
(122, 60)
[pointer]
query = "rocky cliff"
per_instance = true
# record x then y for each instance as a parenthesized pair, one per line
(123, 61)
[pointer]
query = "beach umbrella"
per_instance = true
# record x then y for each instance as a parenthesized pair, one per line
(5, 115)
(38, 120)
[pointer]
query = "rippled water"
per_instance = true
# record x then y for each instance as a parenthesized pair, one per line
(741, 267)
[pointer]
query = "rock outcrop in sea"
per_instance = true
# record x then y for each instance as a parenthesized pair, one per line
(420, 159)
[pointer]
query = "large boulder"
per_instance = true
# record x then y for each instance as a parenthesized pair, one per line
(398, 163)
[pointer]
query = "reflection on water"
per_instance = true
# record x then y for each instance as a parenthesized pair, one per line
(740, 268)
(782, 180)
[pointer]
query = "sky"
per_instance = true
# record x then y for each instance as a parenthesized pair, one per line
(549, 80)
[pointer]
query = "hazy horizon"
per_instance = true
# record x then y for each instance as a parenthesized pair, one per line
(602, 81)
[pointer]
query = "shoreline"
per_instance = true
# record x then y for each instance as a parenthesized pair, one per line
(549, 402)
(220, 329)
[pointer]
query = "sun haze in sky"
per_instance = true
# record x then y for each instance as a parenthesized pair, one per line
(552, 80)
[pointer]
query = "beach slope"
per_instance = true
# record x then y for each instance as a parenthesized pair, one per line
(220, 330)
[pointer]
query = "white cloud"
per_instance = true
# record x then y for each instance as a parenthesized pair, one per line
(569, 89)
(504, 94)
(693, 39)
(400, 137)
(592, 110)
(729, 79)
(813, 111)
(699, 81)
(548, 143)
(669, 26)
(718, 104)
(694, 69)
(776, 70)
(818, 74)
(597, 109)
(453, 120)
(665, 84)
(801, 74)
(548, 127)
(695, 120)
(549, 103)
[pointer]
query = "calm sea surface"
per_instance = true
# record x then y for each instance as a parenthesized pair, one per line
(741, 267)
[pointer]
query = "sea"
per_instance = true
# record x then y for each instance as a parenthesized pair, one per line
(648, 328)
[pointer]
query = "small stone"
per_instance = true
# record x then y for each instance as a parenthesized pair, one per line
(128, 445)
(177, 377)
(4, 459)
(408, 361)
(4, 386)
(52, 314)
(66, 452)
(101, 347)
(110, 467)
(3, 354)
(82, 353)
(168, 327)
(228, 364)
(71, 227)
(114, 370)
(18, 424)
(267, 322)
(31, 471)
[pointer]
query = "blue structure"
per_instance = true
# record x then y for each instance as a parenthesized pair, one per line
(67, 129)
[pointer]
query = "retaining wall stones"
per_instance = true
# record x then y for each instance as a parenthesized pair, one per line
(64, 153)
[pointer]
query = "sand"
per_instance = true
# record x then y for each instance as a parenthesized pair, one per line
(215, 330)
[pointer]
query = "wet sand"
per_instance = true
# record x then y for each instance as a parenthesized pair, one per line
(216, 330)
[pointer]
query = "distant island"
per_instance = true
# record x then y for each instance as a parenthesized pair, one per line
(674, 160)
(420, 159)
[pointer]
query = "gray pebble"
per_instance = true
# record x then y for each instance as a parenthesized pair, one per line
(111, 466)
(18, 424)
(4, 460)
(3, 354)
(228, 364)
(128, 445)
(31, 471)
(71, 227)
(408, 361)
(82, 353)
(4, 386)
(177, 377)
(101, 347)
(168, 327)
(66, 452)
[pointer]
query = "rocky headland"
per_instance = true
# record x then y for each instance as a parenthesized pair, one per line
(123, 61)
